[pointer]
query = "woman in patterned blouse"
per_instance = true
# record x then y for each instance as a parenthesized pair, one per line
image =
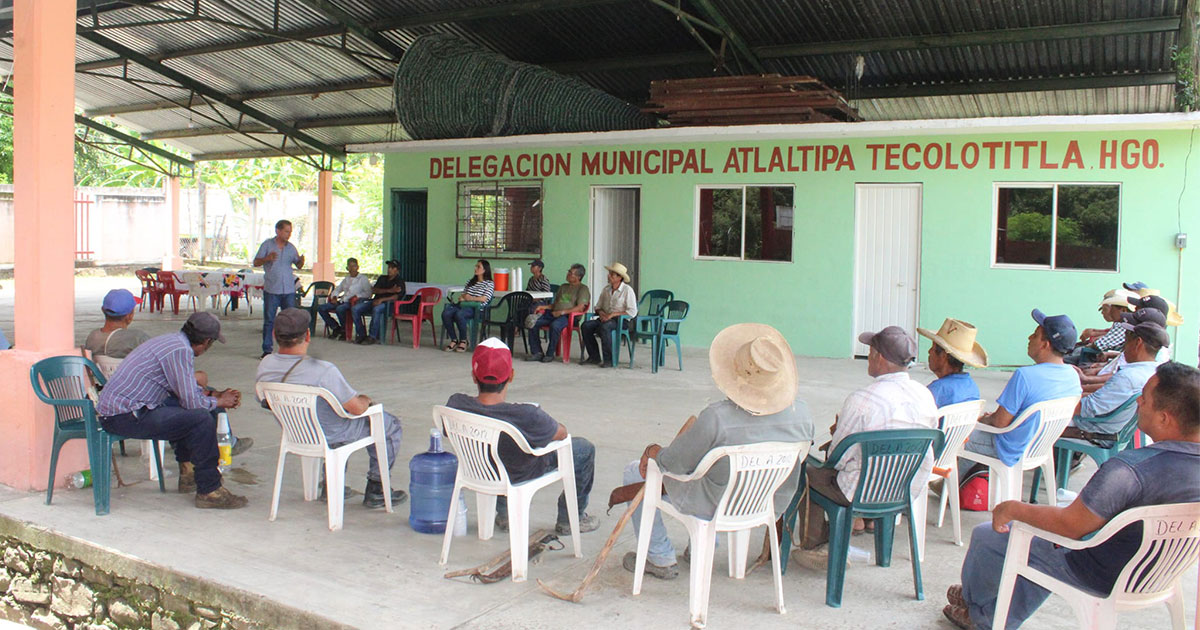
(475, 295)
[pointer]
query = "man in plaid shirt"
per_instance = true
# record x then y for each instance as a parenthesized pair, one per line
(1095, 342)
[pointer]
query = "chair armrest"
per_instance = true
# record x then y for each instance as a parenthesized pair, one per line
(1091, 540)
(551, 447)
(987, 428)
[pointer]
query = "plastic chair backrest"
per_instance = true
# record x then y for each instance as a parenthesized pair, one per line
(295, 408)
(193, 279)
(958, 420)
(674, 312)
(429, 296)
(167, 281)
(755, 472)
(319, 288)
(890, 460)
(146, 278)
(654, 301)
(518, 303)
(476, 441)
(1055, 415)
(1170, 539)
(63, 383)
(107, 365)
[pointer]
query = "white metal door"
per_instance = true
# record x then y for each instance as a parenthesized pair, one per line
(614, 234)
(887, 255)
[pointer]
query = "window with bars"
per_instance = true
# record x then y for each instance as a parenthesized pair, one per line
(499, 219)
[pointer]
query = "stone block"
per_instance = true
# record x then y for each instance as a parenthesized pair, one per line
(43, 562)
(160, 621)
(196, 625)
(207, 613)
(124, 614)
(67, 567)
(17, 559)
(24, 590)
(71, 598)
(43, 619)
(5, 579)
(208, 624)
(95, 577)
(145, 593)
(240, 623)
(175, 604)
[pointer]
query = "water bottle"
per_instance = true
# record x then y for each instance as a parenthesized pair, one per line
(224, 441)
(431, 483)
(81, 479)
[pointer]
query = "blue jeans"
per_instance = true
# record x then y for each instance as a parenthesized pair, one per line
(662, 552)
(191, 432)
(556, 324)
(980, 442)
(340, 309)
(273, 302)
(379, 315)
(981, 577)
(346, 431)
(583, 453)
(454, 316)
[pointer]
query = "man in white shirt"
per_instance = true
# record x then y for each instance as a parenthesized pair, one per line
(616, 299)
(892, 401)
(353, 285)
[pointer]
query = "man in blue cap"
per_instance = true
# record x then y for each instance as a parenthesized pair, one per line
(115, 338)
(1049, 378)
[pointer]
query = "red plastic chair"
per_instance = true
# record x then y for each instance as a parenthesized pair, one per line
(349, 332)
(429, 297)
(572, 327)
(166, 286)
(149, 289)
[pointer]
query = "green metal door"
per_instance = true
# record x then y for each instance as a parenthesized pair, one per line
(408, 232)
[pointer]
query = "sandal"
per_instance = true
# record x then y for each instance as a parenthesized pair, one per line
(461, 347)
(450, 346)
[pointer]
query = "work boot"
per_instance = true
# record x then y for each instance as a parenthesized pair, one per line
(336, 333)
(242, 445)
(587, 523)
(187, 478)
(535, 357)
(220, 499)
(669, 572)
(373, 495)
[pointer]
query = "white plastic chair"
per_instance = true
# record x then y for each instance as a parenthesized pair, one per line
(199, 288)
(295, 407)
(958, 420)
(1170, 539)
(755, 472)
(476, 441)
(1004, 482)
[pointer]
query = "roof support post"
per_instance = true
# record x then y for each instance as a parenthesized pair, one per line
(323, 268)
(172, 261)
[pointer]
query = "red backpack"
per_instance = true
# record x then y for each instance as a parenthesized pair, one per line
(973, 492)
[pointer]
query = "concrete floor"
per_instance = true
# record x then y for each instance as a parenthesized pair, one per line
(378, 573)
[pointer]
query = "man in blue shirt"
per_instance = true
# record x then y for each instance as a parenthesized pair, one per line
(953, 346)
(1169, 412)
(277, 256)
(1048, 379)
(1142, 343)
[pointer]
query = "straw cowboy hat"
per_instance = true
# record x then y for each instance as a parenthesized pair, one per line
(620, 270)
(958, 339)
(1118, 297)
(1140, 288)
(753, 365)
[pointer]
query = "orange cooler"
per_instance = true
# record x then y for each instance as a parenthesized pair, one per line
(500, 277)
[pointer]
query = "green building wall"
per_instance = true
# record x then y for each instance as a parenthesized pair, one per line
(811, 299)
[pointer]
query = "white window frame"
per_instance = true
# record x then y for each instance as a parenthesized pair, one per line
(1053, 186)
(696, 223)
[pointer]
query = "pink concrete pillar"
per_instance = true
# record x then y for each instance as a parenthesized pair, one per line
(44, 269)
(323, 268)
(172, 260)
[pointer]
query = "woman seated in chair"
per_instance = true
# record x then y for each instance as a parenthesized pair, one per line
(455, 316)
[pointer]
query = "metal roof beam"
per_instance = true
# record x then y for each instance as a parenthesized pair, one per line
(211, 93)
(387, 24)
(198, 101)
(1017, 85)
(713, 15)
(380, 118)
(334, 13)
(252, 154)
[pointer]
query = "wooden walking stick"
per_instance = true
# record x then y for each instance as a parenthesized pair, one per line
(608, 545)
(500, 567)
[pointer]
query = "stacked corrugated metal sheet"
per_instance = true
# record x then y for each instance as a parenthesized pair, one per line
(748, 100)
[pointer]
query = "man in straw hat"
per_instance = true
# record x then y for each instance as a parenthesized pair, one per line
(953, 346)
(753, 366)
(616, 299)
(1150, 310)
(1049, 378)
(892, 401)
(1094, 342)
(492, 371)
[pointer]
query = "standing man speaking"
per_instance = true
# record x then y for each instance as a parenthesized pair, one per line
(276, 256)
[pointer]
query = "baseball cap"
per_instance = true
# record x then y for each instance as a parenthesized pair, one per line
(1135, 286)
(896, 345)
(1141, 316)
(291, 322)
(119, 303)
(491, 362)
(207, 325)
(1153, 333)
(1059, 330)
(537, 262)
(1151, 301)
(393, 263)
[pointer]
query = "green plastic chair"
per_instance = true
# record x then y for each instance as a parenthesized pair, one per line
(890, 460)
(320, 291)
(473, 326)
(1065, 448)
(673, 315)
(647, 324)
(63, 382)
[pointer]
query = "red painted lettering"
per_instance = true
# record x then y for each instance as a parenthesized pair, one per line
(1129, 156)
(1150, 154)
(473, 167)
(875, 155)
(991, 148)
(845, 159)
(915, 148)
(950, 165)
(1025, 146)
(591, 163)
(523, 171)
(656, 155)
(971, 149)
(435, 168)
(935, 163)
(1108, 154)
(893, 154)
(506, 166)
(1044, 163)
(1073, 157)
(776, 160)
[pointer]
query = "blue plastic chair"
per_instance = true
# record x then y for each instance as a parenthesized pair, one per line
(890, 460)
(63, 383)
(673, 315)
(1065, 448)
(647, 324)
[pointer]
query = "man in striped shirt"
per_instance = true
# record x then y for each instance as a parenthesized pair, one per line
(153, 395)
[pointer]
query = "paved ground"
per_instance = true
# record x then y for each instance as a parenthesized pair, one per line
(378, 573)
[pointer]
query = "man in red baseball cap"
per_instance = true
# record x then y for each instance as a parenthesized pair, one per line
(491, 368)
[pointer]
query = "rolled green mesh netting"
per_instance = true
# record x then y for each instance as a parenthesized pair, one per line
(450, 88)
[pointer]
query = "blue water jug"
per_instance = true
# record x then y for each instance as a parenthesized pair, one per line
(431, 482)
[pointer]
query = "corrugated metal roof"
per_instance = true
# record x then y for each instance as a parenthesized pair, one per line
(618, 46)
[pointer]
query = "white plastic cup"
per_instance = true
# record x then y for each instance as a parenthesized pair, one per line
(854, 555)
